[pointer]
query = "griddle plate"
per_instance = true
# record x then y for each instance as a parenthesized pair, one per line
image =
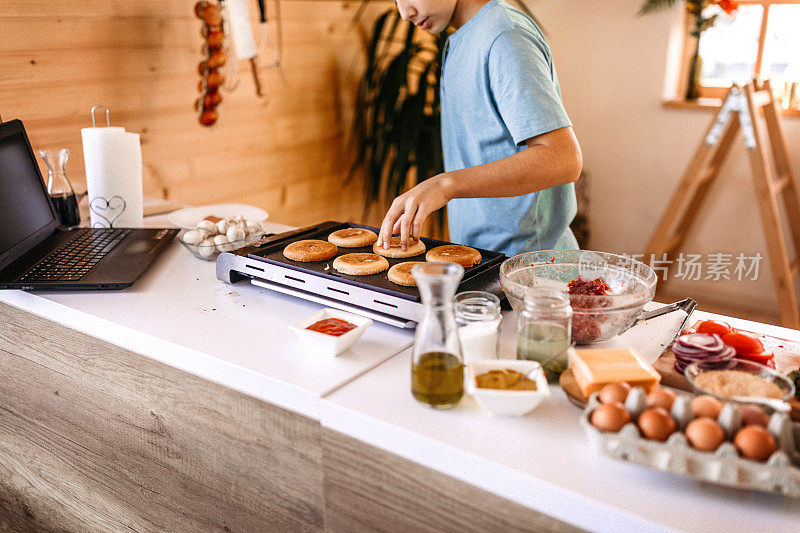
(270, 250)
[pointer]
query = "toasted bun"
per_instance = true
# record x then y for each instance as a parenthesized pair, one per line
(454, 253)
(360, 264)
(401, 273)
(353, 237)
(396, 252)
(310, 250)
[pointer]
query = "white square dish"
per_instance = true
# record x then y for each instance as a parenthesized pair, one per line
(508, 402)
(330, 345)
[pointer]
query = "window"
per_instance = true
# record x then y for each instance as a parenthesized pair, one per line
(762, 41)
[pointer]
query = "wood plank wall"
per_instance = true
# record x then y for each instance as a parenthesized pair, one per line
(97, 438)
(285, 152)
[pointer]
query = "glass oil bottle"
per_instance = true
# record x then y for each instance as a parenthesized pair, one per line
(437, 366)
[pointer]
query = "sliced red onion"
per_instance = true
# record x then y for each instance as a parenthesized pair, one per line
(702, 341)
(707, 350)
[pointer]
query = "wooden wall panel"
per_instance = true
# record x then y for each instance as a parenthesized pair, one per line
(96, 438)
(369, 489)
(285, 152)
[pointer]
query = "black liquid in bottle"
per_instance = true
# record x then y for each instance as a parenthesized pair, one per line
(67, 208)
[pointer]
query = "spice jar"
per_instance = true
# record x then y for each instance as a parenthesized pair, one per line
(544, 330)
(478, 318)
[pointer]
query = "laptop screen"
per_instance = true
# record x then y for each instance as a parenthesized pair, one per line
(24, 205)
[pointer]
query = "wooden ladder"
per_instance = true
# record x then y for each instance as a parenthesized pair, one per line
(740, 111)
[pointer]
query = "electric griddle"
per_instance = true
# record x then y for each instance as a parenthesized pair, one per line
(264, 265)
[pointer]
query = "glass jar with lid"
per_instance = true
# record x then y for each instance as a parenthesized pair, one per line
(545, 330)
(478, 318)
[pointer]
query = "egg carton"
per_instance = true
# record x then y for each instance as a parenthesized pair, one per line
(722, 466)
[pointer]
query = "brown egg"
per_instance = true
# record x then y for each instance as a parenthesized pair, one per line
(753, 416)
(755, 442)
(660, 397)
(655, 423)
(704, 434)
(705, 406)
(614, 392)
(610, 417)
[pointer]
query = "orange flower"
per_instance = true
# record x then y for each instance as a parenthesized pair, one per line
(729, 6)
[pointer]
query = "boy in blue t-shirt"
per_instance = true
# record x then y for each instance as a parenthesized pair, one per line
(510, 155)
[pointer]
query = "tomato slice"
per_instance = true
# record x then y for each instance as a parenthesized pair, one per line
(743, 343)
(714, 326)
(761, 358)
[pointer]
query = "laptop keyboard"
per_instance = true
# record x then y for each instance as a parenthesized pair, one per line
(74, 259)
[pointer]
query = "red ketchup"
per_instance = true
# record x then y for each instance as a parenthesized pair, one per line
(332, 326)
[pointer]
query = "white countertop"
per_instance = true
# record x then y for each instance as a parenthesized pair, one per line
(236, 335)
(544, 460)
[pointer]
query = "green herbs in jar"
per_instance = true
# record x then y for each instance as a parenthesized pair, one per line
(546, 343)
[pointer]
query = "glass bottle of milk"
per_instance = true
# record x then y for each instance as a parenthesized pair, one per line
(478, 318)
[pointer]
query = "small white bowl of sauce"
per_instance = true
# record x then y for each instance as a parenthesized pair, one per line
(331, 331)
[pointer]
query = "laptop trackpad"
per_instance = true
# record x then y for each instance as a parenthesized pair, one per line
(141, 246)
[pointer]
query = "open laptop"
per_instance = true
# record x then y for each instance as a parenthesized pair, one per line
(35, 253)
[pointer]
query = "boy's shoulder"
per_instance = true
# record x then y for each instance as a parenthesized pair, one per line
(498, 18)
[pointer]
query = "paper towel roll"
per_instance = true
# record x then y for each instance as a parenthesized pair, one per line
(239, 19)
(113, 159)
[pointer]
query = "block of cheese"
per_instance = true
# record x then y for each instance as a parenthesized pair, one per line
(594, 368)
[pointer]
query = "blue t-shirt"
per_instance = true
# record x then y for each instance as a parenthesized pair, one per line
(499, 88)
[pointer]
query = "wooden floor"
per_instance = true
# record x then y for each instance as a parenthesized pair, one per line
(97, 438)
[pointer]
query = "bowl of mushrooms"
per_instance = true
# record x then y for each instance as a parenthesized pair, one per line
(214, 235)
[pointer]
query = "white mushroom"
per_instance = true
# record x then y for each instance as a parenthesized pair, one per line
(207, 225)
(235, 233)
(206, 248)
(193, 237)
(222, 243)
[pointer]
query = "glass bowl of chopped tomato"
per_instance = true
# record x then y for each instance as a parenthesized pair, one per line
(607, 291)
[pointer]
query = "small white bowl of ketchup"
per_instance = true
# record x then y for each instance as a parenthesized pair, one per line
(331, 331)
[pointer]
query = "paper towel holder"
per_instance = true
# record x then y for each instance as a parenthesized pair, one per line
(108, 115)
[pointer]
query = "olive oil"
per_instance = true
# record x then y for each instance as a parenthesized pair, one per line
(437, 379)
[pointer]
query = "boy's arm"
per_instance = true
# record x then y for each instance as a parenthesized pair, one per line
(552, 158)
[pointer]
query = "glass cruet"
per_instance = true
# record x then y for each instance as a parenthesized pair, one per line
(437, 366)
(59, 188)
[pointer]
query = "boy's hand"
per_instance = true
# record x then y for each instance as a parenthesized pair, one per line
(409, 210)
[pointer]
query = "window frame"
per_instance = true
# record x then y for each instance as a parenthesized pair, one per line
(688, 49)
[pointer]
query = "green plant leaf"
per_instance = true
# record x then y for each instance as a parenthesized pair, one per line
(651, 6)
